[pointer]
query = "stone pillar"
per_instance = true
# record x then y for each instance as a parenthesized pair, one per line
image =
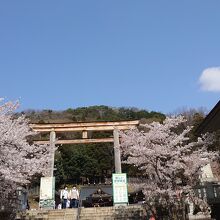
(117, 154)
(52, 147)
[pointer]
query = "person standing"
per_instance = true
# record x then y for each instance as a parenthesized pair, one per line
(64, 197)
(74, 197)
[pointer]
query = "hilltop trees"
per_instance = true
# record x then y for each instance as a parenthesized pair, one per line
(19, 161)
(169, 162)
(91, 113)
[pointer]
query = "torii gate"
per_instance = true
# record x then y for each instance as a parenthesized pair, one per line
(84, 127)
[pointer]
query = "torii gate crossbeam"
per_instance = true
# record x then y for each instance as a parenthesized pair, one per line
(84, 127)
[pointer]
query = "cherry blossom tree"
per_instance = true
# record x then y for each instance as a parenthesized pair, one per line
(19, 160)
(170, 163)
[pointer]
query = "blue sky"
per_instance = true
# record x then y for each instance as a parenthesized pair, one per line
(156, 55)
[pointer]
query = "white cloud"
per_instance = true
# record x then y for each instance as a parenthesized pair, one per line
(210, 79)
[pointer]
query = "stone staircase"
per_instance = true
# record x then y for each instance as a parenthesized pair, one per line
(96, 213)
(68, 214)
(132, 212)
(64, 214)
(112, 213)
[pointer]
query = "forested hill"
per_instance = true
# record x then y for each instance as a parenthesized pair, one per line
(92, 113)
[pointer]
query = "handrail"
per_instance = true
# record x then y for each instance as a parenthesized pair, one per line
(64, 217)
(79, 208)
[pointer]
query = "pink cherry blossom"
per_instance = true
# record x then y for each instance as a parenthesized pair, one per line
(167, 159)
(19, 160)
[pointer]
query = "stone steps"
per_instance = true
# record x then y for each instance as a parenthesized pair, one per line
(96, 213)
(112, 213)
(67, 214)
(131, 212)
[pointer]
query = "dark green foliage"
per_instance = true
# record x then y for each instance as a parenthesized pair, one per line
(92, 162)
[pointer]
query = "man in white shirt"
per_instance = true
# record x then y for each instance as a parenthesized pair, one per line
(64, 197)
(74, 197)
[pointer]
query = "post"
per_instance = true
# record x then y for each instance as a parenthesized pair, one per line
(52, 147)
(84, 134)
(117, 154)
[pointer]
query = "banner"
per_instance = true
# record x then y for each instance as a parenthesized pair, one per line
(120, 188)
(47, 192)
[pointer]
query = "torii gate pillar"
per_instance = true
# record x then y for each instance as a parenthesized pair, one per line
(52, 147)
(117, 154)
